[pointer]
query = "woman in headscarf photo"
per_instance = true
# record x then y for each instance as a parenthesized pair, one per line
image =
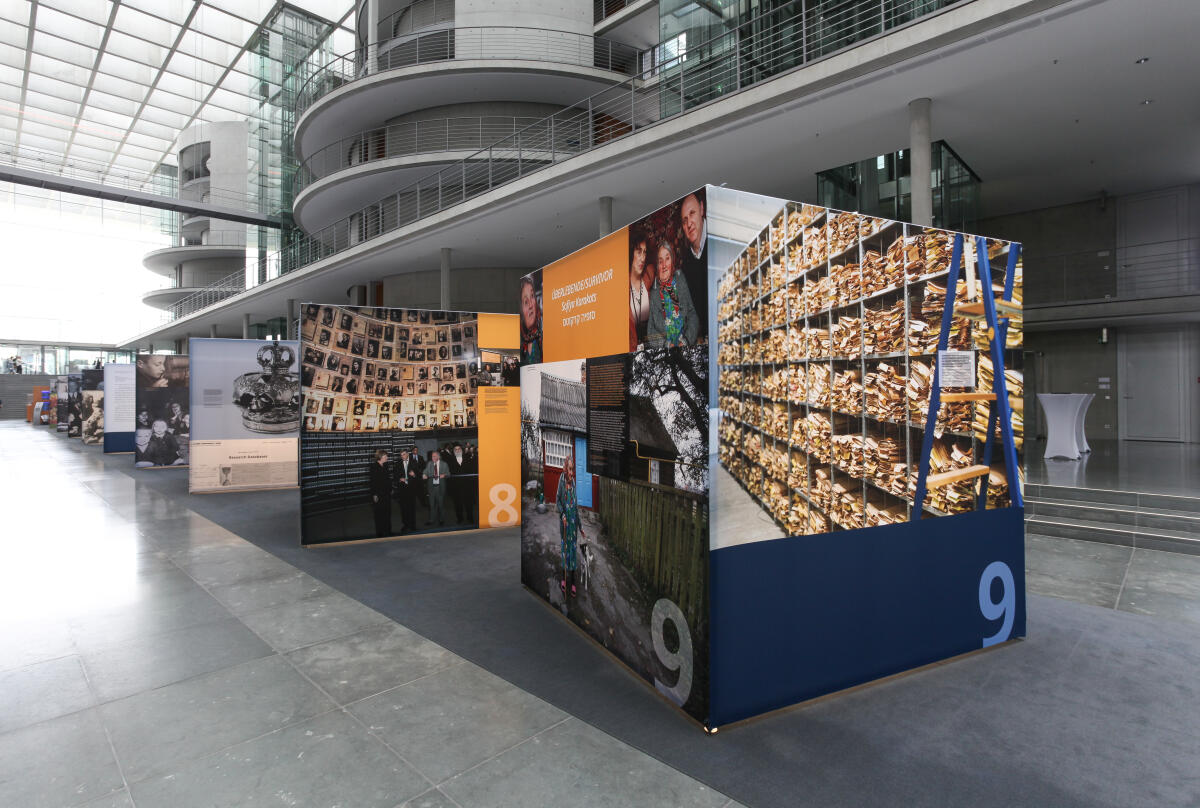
(531, 323)
(673, 318)
(570, 528)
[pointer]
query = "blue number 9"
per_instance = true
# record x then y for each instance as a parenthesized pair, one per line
(993, 610)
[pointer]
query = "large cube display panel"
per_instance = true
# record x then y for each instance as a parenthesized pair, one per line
(162, 423)
(615, 411)
(410, 384)
(813, 335)
(245, 414)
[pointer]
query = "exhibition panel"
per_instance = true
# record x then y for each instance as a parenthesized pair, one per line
(61, 404)
(91, 408)
(40, 406)
(868, 385)
(163, 423)
(615, 424)
(119, 403)
(74, 404)
(406, 412)
(245, 414)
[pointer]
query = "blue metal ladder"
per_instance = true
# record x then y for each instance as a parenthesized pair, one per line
(1001, 411)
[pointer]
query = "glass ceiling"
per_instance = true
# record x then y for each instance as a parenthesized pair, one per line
(112, 83)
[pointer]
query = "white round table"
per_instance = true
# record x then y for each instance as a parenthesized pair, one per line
(1064, 423)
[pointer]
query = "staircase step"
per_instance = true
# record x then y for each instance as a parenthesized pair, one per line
(1108, 533)
(1184, 523)
(1104, 497)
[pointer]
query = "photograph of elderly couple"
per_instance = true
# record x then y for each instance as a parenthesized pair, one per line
(667, 282)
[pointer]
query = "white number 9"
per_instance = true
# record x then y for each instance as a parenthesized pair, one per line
(679, 660)
(1004, 608)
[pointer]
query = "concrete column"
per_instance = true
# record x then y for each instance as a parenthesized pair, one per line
(245, 326)
(289, 328)
(445, 279)
(919, 160)
(372, 34)
(212, 331)
(150, 348)
(605, 216)
(357, 295)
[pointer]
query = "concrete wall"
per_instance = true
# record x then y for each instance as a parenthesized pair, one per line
(1079, 252)
(228, 170)
(1072, 362)
(494, 290)
(559, 15)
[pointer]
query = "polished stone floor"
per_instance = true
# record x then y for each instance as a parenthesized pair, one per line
(1121, 465)
(149, 657)
(1139, 581)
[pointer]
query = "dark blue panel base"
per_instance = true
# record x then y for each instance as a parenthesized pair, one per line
(118, 442)
(797, 618)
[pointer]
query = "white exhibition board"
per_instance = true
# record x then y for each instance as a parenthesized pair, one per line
(119, 407)
(245, 414)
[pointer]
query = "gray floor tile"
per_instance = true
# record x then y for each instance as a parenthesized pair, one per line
(371, 661)
(182, 538)
(1082, 571)
(453, 720)
(24, 643)
(63, 762)
(158, 731)
(577, 765)
(1163, 585)
(120, 799)
(263, 593)
(142, 611)
(292, 766)
(433, 798)
(155, 660)
(312, 620)
(225, 564)
(41, 691)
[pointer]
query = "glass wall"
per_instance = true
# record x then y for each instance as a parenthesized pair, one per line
(881, 186)
(56, 359)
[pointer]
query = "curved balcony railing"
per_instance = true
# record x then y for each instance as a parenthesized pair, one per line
(430, 137)
(755, 51)
(441, 44)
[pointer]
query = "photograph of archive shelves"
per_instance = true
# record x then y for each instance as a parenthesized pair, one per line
(828, 332)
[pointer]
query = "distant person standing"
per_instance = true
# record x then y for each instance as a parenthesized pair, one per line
(408, 475)
(464, 470)
(381, 493)
(436, 475)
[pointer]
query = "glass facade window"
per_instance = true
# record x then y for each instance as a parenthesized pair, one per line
(882, 186)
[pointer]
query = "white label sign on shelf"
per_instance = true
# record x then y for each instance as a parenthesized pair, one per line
(956, 368)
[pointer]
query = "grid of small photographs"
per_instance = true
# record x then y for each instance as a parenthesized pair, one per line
(378, 369)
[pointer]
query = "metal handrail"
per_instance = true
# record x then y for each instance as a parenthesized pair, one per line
(429, 136)
(441, 43)
(752, 52)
